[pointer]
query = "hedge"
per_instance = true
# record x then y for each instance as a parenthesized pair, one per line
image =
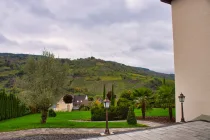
(114, 113)
(10, 106)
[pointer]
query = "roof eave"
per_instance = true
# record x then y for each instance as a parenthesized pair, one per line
(167, 1)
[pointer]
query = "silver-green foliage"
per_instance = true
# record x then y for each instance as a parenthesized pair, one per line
(44, 81)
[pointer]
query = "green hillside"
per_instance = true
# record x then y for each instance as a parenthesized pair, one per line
(89, 74)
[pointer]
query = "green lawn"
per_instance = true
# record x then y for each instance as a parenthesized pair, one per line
(75, 115)
(61, 121)
(154, 112)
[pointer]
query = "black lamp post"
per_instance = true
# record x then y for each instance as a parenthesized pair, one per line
(106, 105)
(181, 99)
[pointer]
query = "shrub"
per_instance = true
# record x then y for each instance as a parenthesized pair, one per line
(131, 119)
(52, 113)
(84, 108)
(98, 113)
(127, 95)
(90, 98)
(122, 112)
(124, 102)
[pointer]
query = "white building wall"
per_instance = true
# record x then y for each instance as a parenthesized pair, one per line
(191, 31)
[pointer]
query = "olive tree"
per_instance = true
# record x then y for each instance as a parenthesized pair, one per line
(43, 83)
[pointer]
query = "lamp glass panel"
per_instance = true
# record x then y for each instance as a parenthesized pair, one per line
(105, 104)
(181, 99)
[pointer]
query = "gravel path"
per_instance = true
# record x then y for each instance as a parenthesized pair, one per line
(148, 123)
(66, 133)
(46, 133)
(58, 137)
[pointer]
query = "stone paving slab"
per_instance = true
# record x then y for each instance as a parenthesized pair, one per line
(198, 130)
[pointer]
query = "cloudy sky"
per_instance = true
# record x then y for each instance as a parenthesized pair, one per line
(133, 32)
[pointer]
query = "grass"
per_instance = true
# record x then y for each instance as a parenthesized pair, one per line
(75, 115)
(61, 121)
(155, 112)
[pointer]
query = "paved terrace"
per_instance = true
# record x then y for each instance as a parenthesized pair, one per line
(198, 130)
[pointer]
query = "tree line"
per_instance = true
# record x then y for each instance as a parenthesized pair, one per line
(146, 99)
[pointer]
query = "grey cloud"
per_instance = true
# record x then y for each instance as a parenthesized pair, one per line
(39, 45)
(105, 29)
(159, 46)
(36, 7)
(4, 40)
(116, 12)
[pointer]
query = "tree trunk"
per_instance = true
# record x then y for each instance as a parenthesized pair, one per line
(170, 113)
(44, 116)
(143, 110)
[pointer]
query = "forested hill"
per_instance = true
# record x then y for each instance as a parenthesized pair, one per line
(90, 74)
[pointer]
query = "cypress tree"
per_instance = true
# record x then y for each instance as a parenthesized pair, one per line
(0, 106)
(131, 118)
(164, 81)
(10, 106)
(3, 106)
(6, 108)
(104, 92)
(14, 108)
(11, 103)
(112, 97)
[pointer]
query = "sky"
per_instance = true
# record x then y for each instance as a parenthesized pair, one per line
(133, 32)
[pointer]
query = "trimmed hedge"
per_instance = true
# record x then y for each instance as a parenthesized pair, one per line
(115, 113)
(11, 107)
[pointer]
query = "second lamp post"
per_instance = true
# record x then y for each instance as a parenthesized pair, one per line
(181, 99)
(106, 105)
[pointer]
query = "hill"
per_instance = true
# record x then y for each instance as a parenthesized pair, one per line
(90, 74)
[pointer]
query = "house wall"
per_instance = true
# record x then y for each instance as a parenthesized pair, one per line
(191, 31)
(62, 106)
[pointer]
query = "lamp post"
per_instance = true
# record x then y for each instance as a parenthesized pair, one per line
(106, 105)
(181, 99)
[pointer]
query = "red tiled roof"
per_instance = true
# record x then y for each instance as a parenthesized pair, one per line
(167, 1)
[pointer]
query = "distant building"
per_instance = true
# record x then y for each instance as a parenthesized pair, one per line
(78, 100)
(62, 106)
